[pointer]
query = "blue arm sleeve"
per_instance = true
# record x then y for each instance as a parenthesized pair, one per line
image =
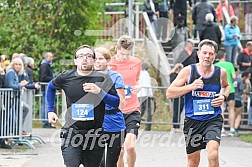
(50, 96)
(111, 100)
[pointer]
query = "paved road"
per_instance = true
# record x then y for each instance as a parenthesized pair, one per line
(160, 149)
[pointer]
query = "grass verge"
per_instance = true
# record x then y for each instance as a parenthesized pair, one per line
(247, 138)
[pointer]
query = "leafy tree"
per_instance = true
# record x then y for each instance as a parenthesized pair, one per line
(36, 26)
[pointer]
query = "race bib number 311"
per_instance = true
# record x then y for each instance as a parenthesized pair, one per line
(203, 107)
(82, 112)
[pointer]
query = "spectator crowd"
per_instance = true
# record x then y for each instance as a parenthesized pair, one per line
(17, 73)
(236, 59)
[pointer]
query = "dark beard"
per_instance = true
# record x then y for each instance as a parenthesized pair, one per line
(88, 68)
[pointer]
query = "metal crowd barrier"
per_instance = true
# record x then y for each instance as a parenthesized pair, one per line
(40, 104)
(161, 111)
(158, 109)
(11, 116)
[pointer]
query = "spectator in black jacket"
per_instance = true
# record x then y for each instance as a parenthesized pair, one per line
(45, 75)
(211, 30)
(199, 13)
(30, 68)
(179, 8)
(243, 60)
(45, 70)
(2, 78)
(3, 142)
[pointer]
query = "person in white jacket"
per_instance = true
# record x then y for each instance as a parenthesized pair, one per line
(145, 96)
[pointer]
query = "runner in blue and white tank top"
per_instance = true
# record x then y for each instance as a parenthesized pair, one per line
(198, 102)
(205, 87)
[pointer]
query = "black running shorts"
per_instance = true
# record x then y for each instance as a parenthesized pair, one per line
(199, 133)
(132, 121)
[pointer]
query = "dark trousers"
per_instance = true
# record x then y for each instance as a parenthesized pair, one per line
(80, 147)
(114, 144)
(147, 104)
(178, 105)
(44, 116)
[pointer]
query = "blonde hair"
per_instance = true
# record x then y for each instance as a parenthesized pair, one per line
(105, 52)
(19, 61)
(177, 67)
(3, 58)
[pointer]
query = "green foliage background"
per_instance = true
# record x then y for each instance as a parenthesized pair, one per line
(34, 27)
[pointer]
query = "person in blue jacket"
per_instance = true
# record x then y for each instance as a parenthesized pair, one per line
(15, 79)
(232, 39)
(114, 124)
(87, 91)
